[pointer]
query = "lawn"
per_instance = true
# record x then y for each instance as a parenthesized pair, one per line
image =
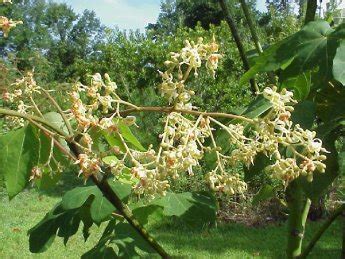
(224, 241)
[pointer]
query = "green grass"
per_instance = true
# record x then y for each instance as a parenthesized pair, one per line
(225, 241)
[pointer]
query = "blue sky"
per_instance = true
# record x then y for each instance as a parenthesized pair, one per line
(126, 14)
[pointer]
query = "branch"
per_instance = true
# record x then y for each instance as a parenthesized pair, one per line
(36, 119)
(323, 228)
(238, 42)
(192, 112)
(101, 182)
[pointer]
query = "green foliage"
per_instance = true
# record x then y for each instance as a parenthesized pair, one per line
(119, 240)
(304, 114)
(300, 84)
(129, 136)
(51, 40)
(266, 192)
(195, 209)
(19, 156)
(257, 107)
(22, 150)
(81, 204)
(89, 206)
(61, 223)
(100, 207)
(306, 62)
(313, 47)
(339, 63)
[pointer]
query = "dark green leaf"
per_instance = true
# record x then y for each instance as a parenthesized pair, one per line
(101, 209)
(56, 222)
(261, 161)
(299, 84)
(76, 197)
(114, 140)
(304, 114)
(312, 47)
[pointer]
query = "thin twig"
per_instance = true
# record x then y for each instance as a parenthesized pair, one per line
(57, 106)
(51, 135)
(192, 112)
(34, 118)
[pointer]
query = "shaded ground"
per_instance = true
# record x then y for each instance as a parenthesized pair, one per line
(224, 241)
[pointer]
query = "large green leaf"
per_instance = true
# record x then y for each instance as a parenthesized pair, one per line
(50, 175)
(100, 208)
(331, 104)
(82, 204)
(113, 140)
(304, 114)
(146, 214)
(56, 119)
(261, 161)
(190, 208)
(19, 154)
(339, 63)
(57, 222)
(300, 85)
(119, 240)
(312, 47)
(195, 209)
(76, 197)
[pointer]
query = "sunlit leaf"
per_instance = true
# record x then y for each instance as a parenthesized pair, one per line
(18, 155)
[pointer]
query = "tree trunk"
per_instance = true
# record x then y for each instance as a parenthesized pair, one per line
(235, 35)
(251, 26)
(311, 11)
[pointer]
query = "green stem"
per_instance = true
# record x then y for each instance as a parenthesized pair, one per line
(298, 206)
(343, 248)
(323, 228)
(171, 109)
(237, 39)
